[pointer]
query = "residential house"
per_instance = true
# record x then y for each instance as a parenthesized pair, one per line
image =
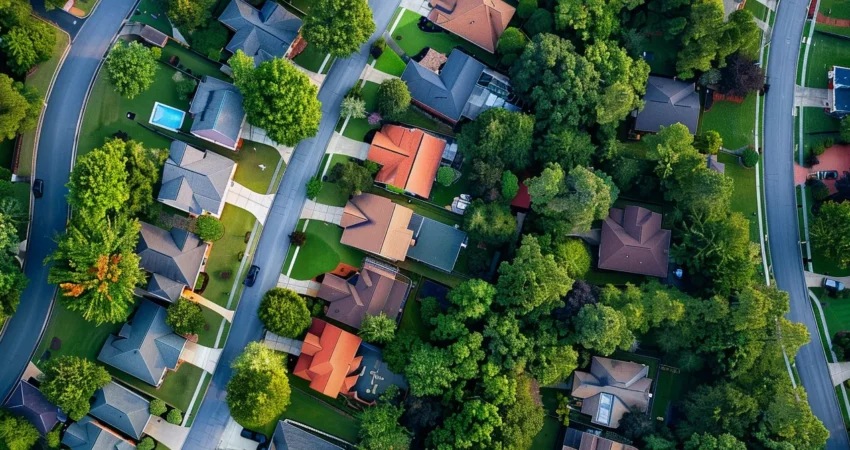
(88, 434)
(122, 409)
(146, 347)
(633, 241)
(328, 359)
(480, 22)
(195, 181)
(289, 436)
(668, 102)
(409, 158)
(611, 389)
(463, 88)
(28, 402)
(376, 289)
(262, 34)
(218, 112)
(174, 258)
(714, 164)
(838, 95)
(580, 440)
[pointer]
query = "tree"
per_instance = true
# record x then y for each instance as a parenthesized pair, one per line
(624, 80)
(789, 418)
(500, 138)
(636, 424)
(189, 15)
(209, 40)
(12, 280)
(709, 39)
(710, 77)
(143, 167)
(722, 408)
(314, 186)
(445, 175)
(16, 433)
(590, 19)
(526, 8)
(353, 107)
(421, 413)
(338, 27)
(819, 189)
(27, 44)
(98, 183)
(510, 185)
(707, 441)
(351, 177)
(54, 441)
(398, 352)
(284, 312)
(278, 98)
(541, 21)
(70, 381)
(20, 107)
(393, 98)
(492, 223)
(380, 430)
(578, 198)
(602, 329)
(582, 293)
(429, 371)
(471, 427)
(741, 76)
(146, 443)
(184, 85)
(712, 141)
(258, 392)
(749, 158)
(844, 129)
(209, 228)
(378, 329)
(827, 232)
(567, 147)
(186, 317)
(511, 44)
(532, 282)
(131, 68)
(523, 418)
(157, 407)
(574, 255)
(97, 269)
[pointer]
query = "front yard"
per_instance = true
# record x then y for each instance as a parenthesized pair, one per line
(224, 261)
(357, 128)
(826, 51)
(331, 194)
(735, 122)
(321, 253)
(177, 389)
(744, 196)
(314, 60)
(412, 40)
(390, 63)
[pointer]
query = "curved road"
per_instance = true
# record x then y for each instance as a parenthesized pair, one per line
(208, 426)
(55, 152)
(781, 203)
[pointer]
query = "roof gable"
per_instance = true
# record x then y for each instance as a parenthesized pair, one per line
(28, 402)
(633, 241)
(195, 180)
(611, 388)
(409, 156)
(480, 22)
(668, 102)
(435, 243)
(377, 225)
(374, 290)
(122, 409)
(269, 31)
(329, 358)
(179, 260)
(448, 92)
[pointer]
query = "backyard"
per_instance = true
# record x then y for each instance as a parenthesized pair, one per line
(837, 9)
(193, 62)
(321, 253)
(825, 51)
(735, 122)
(412, 40)
(444, 195)
(151, 12)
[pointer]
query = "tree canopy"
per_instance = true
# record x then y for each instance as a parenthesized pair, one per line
(27, 43)
(189, 15)
(16, 433)
(828, 231)
(98, 183)
(131, 68)
(20, 107)
(378, 329)
(70, 381)
(258, 392)
(186, 317)
(12, 280)
(393, 98)
(284, 312)
(338, 27)
(492, 223)
(577, 198)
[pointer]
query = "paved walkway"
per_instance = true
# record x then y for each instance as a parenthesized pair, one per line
(170, 435)
(325, 213)
(256, 204)
(218, 309)
(374, 75)
(199, 356)
(257, 134)
(592, 237)
(303, 287)
(730, 6)
(810, 97)
(420, 7)
(840, 372)
(762, 25)
(342, 145)
(283, 344)
(32, 371)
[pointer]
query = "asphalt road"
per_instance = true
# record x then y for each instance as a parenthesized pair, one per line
(55, 149)
(209, 425)
(780, 197)
(64, 20)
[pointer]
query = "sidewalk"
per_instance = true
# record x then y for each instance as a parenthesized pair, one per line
(199, 356)
(325, 213)
(342, 145)
(305, 287)
(256, 204)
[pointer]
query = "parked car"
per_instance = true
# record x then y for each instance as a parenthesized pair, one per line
(833, 286)
(38, 188)
(253, 435)
(252, 276)
(828, 174)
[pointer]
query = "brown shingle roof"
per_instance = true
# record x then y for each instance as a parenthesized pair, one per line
(409, 156)
(633, 241)
(481, 22)
(373, 291)
(328, 359)
(579, 440)
(377, 225)
(626, 385)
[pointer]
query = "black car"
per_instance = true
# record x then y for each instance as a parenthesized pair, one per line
(253, 435)
(252, 276)
(38, 188)
(828, 174)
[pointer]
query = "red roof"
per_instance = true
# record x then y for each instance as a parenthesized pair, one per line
(481, 22)
(522, 198)
(328, 359)
(409, 156)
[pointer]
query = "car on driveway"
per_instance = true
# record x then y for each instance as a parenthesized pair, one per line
(823, 175)
(253, 272)
(38, 188)
(832, 286)
(253, 435)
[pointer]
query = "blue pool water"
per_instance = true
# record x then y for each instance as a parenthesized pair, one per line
(167, 117)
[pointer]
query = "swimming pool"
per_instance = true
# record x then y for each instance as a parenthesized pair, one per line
(167, 117)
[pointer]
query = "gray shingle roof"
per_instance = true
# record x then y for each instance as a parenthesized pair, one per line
(195, 180)
(164, 288)
(841, 90)
(262, 34)
(146, 347)
(217, 107)
(121, 409)
(175, 254)
(87, 434)
(290, 437)
(28, 402)
(436, 244)
(668, 102)
(448, 92)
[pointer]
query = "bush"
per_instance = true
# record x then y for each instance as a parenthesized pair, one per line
(378, 329)
(526, 8)
(146, 444)
(378, 47)
(712, 141)
(393, 98)
(351, 178)
(372, 167)
(819, 191)
(209, 228)
(175, 416)
(841, 345)
(210, 39)
(53, 440)
(812, 161)
(284, 313)
(185, 317)
(314, 186)
(750, 158)
(157, 407)
(298, 238)
(354, 107)
(445, 176)
(510, 185)
(828, 142)
(183, 85)
(5, 174)
(541, 21)
(818, 149)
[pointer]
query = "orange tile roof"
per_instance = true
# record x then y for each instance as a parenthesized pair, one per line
(481, 22)
(328, 359)
(409, 156)
(377, 225)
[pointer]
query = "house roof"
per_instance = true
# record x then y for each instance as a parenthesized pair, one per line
(88, 434)
(579, 440)
(435, 243)
(153, 36)
(611, 389)
(377, 377)
(841, 88)
(522, 199)
(217, 107)
(633, 241)
(164, 288)
(448, 92)
(262, 34)
(374, 290)
(145, 347)
(28, 402)
(176, 254)
(409, 156)
(713, 164)
(328, 359)
(291, 437)
(121, 409)
(481, 22)
(668, 102)
(377, 225)
(195, 180)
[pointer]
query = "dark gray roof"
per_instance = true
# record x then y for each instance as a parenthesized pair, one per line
(448, 92)
(195, 180)
(164, 288)
(377, 377)
(435, 243)
(87, 434)
(290, 437)
(121, 409)
(262, 34)
(146, 347)
(668, 102)
(28, 402)
(176, 254)
(841, 88)
(217, 106)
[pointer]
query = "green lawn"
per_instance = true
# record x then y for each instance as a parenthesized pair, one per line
(815, 120)
(79, 337)
(85, 5)
(663, 55)
(671, 387)
(224, 256)
(21, 192)
(744, 196)
(177, 389)
(837, 312)
(208, 336)
(249, 158)
(826, 51)
(312, 58)
(322, 251)
(357, 128)
(842, 31)
(201, 394)
(548, 435)
(443, 195)
(759, 11)
(735, 122)
(412, 40)
(147, 9)
(195, 63)
(837, 9)
(411, 317)
(390, 63)
(331, 193)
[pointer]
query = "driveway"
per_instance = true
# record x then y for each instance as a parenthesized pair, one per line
(208, 428)
(811, 97)
(63, 19)
(50, 213)
(254, 203)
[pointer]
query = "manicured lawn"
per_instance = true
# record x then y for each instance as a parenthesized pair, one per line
(146, 11)
(79, 337)
(837, 9)
(443, 195)
(224, 256)
(815, 120)
(312, 58)
(826, 51)
(412, 40)
(208, 336)
(759, 11)
(21, 192)
(411, 318)
(331, 193)
(357, 128)
(548, 435)
(322, 251)
(744, 196)
(664, 53)
(672, 387)
(201, 394)
(195, 63)
(249, 158)
(837, 312)
(842, 31)
(390, 63)
(176, 390)
(735, 122)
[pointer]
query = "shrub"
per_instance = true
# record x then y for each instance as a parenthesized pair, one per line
(372, 167)
(351, 178)
(818, 149)
(378, 47)
(210, 39)
(5, 174)
(396, 190)
(819, 191)
(445, 176)
(812, 160)
(183, 85)
(284, 312)
(146, 444)
(393, 98)
(828, 142)
(298, 238)
(314, 186)
(354, 107)
(53, 440)
(175, 416)
(712, 141)
(209, 228)
(841, 345)
(157, 407)
(378, 329)
(541, 21)
(750, 158)
(526, 8)
(185, 317)
(510, 185)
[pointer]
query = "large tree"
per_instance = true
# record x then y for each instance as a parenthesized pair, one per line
(186, 317)
(258, 392)
(27, 44)
(131, 68)
(143, 167)
(565, 146)
(378, 329)
(393, 98)
(16, 433)
(278, 98)
(492, 223)
(602, 329)
(532, 282)
(828, 232)
(284, 312)
(351, 177)
(187, 15)
(12, 280)
(708, 39)
(522, 418)
(19, 107)
(380, 429)
(473, 426)
(70, 381)
(741, 76)
(338, 27)
(575, 199)
(500, 138)
(98, 184)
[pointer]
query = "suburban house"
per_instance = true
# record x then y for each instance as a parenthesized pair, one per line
(218, 113)
(838, 95)
(464, 87)
(713, 164)
(376, 225)
(88, 434)
(409, 158)
(146, 347)
(174, 258)
(195, 181)
(580, 440)
(668, 102)
(262, 34)
(611, 389)
(633, 241)
(28, 402)
(376, 289)
(328, 359)
(122, 409)
(480, 22)
(288, 436)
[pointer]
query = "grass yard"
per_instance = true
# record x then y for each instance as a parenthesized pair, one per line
(151, 12)
(671, 388)
(357, 128)
(411, 317)
(249, 158)
(734, 122)
(449, 279)
(79, 337)
(837, 9)
(412, 40)
(842, 31)
(85, 5)
(322, 251)
(331, 194)
(312, 58)
(21, 193)
(664, 53)
(177, 389)
(208, 336)
(201, 394)
(195, 63)
(826, 51)
(744, 196)
(759, 11)
(815, 120)
(224, 256)
(390, 63)
(837, 312)
(443, 195)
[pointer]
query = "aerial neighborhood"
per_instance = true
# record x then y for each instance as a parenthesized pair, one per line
(424, 224)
